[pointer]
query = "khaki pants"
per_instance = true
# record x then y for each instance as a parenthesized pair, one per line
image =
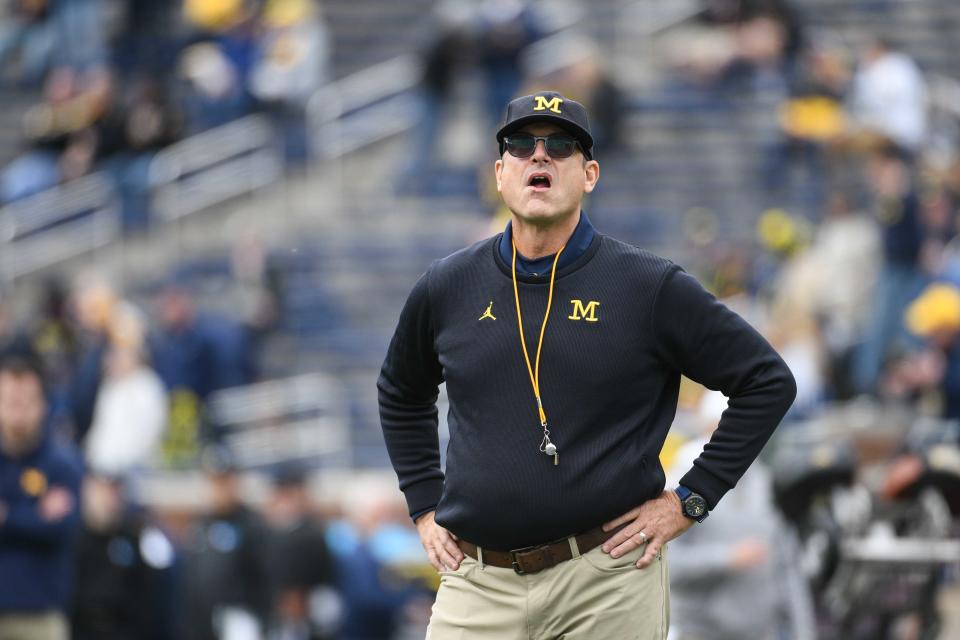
(590, 597)
(46, 625)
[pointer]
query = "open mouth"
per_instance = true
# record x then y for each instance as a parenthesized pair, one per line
(539, 181)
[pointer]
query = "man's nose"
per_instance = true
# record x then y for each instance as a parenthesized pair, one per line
(540, 151)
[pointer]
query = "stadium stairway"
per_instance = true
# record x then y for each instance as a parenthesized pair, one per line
(357, 30)
(928, 30)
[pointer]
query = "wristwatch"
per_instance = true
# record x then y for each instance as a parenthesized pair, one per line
(692, 504)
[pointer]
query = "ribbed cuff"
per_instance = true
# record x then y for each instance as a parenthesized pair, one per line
(414, 516)
(423, 496)
(706, 484)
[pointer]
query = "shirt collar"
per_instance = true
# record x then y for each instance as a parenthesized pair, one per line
(578, 243)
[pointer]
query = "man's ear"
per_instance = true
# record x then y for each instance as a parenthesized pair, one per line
(591, 171)
(498, 170)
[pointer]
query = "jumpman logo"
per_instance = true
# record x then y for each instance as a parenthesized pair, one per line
(489, 312)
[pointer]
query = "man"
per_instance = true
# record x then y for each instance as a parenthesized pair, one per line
(889, 97)
(744, 557)
(305, 604)
(39, 485)
(124, 564)
(225, 579)
(560, 400)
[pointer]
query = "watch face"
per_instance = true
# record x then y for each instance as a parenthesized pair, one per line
(695, 506)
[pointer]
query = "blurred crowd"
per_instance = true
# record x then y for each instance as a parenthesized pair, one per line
(118, 80)
(96, 393)
(80, 558)
(854, 279)
(154, 360)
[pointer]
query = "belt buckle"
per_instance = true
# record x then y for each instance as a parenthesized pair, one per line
(513, 557)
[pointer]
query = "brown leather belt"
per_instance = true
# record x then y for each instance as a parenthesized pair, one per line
(539, 557)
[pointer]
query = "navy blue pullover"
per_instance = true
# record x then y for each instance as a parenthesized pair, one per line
(624, 326)
(36, 555)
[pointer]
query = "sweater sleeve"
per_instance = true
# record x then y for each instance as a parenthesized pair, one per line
(25, 523)
(407, 388)
(702, 339)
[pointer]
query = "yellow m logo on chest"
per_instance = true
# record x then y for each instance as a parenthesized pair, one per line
(553, 104)
(586, 312)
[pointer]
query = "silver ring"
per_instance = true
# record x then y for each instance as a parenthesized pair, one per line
(643, 537)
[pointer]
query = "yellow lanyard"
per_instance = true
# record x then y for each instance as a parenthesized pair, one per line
(546, 446)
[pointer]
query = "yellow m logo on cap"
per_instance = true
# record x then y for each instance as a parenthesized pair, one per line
(553, 104)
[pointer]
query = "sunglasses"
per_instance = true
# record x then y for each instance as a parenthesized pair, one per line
(522, 145)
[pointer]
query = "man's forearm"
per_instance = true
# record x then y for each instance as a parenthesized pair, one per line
(749, 421)
(410, 431)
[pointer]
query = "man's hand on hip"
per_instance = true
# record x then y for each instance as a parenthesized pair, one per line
(653, 523)
(440, 544)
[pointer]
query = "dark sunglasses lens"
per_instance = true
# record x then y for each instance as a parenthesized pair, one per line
(560, 146)
(521, 146)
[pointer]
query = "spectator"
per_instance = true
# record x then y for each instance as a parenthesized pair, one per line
(144, 45)
(196, 354)
(124, 564)
(291, 64)
(445, 57)
(60, 132)
(379, 600)
(889, 97)
(741, 559)
(140, 120)
(897, 206)
(810, 119)
(740, 44)
(574, 66)
(506, 28)
(130, 414)
(39, 510)
(199, 351)
(255, 294)
(935, 317)
(95, 302)
(53, 334)
(216, 65)
(306, 605)
(846, 254)
(225, 585)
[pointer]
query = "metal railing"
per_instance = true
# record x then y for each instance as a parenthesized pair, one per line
(83, 215)
(213, 167)
(300, 418)
(207, 169)
(57, 224)
(364, 107)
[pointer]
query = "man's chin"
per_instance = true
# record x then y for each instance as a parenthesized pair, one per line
(540, 217)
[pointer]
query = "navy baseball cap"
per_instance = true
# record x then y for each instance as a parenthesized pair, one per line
(548, 106)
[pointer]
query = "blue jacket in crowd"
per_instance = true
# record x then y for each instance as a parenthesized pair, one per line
(36, 555)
